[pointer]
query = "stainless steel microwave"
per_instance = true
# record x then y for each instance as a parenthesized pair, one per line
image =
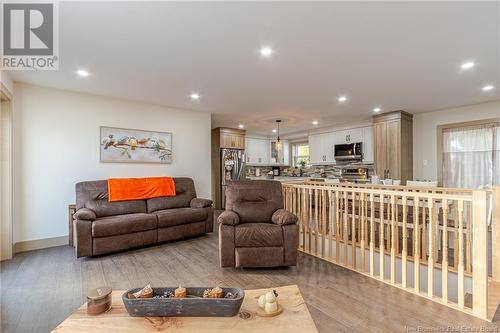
(348, 151)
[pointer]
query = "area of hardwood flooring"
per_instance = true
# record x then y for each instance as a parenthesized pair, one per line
(41, 288)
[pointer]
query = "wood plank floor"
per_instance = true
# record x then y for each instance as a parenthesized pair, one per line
(41, 288)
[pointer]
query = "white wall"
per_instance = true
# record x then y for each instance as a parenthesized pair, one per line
(56, 144)
(425, 133)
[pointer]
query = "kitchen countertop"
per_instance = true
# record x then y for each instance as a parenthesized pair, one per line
(283, 179)
(289, 179)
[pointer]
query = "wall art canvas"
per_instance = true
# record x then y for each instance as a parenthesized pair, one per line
(132, 145)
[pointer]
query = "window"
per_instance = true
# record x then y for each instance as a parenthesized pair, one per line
(300, 154)
(471, 155)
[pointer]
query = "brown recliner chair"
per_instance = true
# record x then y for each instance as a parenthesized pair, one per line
(255, 230)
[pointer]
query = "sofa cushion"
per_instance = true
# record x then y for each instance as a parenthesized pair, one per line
(94, 195)
(178, 216)
(184, 193)
(258, 234)
(123, 224)
(254, 200)
(103, 208)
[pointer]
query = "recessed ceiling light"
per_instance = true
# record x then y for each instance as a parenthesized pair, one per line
(488, 87)
(241, 126)
(195, 96)
(82, 73)
(377, 109)
(315, 122)
(342, 99)
(467, 65)
(274, 130)
(266, 51)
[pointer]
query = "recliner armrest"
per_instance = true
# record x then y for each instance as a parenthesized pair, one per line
(85, 214)
(200, 203)
(228, 217)
(284, 217)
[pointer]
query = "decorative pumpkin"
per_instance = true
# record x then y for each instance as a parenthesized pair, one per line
(180, 292)
(269, 302)
(262, 301)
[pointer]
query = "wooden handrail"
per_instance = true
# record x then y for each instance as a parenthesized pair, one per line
(386, 233)
(404, 188)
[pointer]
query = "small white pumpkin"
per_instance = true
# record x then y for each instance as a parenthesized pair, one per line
(262, 301)
(271, 307)
(270, 297)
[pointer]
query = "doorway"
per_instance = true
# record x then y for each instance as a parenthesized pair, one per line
(5, 173)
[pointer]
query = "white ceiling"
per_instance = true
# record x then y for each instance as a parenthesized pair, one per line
(403, 55)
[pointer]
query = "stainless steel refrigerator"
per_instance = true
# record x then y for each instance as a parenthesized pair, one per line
(232, 168)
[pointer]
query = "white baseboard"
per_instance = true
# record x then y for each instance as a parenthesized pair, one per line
(40, 244)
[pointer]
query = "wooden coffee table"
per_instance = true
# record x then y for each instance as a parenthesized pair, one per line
(295, 318)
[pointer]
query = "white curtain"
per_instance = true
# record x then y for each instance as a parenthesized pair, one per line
(471, 156)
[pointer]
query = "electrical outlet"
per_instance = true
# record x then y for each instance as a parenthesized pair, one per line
(425, 162)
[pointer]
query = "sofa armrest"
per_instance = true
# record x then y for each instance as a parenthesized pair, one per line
(290, 243)
(226, 245)
(284, 217)
(200, 203)
(85, 214)
(228, 217)
(83, 241)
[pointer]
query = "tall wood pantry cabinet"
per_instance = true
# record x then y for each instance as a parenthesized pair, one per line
(393, 145)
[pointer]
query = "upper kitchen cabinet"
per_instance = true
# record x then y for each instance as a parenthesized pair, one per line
(349, 136)
(257, 151)
(321, 148)
(229, 137)
(261, 151)
(393, 145)
(368, 144)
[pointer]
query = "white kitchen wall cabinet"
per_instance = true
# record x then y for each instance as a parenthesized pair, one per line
(286, 153)
(257, 151)
(321, 148)
(316, 155)
(368, 144)
(349, 136)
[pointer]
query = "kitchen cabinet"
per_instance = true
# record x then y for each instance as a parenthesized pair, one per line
(316, 155)
(257, 151)
(349, 136)
(321, 148)
(260, 151)
(368, 144)
(393, 145)
(231, 138)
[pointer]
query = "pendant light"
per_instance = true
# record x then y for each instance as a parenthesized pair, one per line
(278, 140)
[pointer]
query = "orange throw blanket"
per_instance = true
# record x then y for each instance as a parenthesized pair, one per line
(122, 189)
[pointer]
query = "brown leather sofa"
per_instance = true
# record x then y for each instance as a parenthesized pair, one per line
(104, 227)
(255, 230)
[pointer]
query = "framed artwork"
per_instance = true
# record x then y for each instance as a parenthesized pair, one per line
(135, 146)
